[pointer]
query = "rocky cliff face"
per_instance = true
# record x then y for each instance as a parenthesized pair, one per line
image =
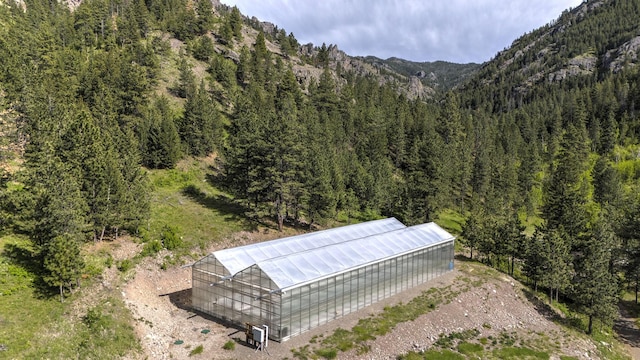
(549, 54)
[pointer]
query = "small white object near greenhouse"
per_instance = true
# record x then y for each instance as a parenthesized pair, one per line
(297, 283)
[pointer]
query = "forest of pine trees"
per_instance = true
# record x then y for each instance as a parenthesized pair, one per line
(83, 86)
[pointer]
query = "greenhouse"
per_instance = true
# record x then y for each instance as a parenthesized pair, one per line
(297, 283)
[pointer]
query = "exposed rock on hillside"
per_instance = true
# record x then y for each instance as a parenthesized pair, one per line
(580, 65)
(626, 55)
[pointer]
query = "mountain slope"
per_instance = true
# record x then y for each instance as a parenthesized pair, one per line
(440, 75)
(586, 44)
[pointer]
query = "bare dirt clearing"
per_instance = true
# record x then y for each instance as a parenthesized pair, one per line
(496, 306)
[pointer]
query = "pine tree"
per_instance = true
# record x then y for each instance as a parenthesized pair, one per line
(472, 232)
(200, 128)
(607, 183)
(186, 86)
(534, 264)
(61, 208)
(204, 10)
(160, 141)
(63, 262)
(629, 233)
(565, 192)
(235, 20)
(595, 288)
(557, 260)
(517, 240)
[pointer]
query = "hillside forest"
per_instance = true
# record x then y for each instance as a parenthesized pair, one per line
(541, 170)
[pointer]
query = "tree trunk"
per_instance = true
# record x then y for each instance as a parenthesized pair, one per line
(280, 222)
(61, 294)
(512, 265)
(102, 233)
(279, 212)
(590, 327)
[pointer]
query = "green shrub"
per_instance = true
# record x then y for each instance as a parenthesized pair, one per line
(150, 248)
(170, 238)
(109, 261)
(198, 350)
(229, 345)
(95, 320)
(125, 265)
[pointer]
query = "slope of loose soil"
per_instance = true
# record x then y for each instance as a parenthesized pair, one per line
(490, 302)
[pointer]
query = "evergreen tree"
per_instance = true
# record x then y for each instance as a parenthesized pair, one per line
(204, 10)
(200, 128)
(595, 288)
(160, 141)
(235, 22)
(534, 264)
(565, 192)
(60, 209)
(629, 233)
(607, 183)
(63, 262)
(458, 167)
(186, 86)
(557, 261)
(472, 232)
(510, 239)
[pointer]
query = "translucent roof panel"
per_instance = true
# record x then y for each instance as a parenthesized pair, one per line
(296, 269)
(239, 258)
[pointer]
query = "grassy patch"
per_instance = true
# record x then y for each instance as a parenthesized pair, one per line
(519, 353)
(107, 333)
(438, 355)
(467, 348)
(34, 324)
(451, 221)
(229, 345)
(20, 300)
(327, 353)
(185, 201)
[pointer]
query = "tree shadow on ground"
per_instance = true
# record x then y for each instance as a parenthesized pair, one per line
(625, 326)
(25, 257)
(234, 211)
(231, 210)
(550, 313)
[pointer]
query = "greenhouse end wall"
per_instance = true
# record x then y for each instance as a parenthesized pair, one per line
(248, 298)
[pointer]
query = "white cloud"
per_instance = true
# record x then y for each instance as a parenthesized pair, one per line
(452, 30)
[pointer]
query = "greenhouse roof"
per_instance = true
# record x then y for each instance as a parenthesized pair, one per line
(239, 258)
(297, 269)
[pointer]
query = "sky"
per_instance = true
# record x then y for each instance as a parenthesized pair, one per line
(459, 31)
